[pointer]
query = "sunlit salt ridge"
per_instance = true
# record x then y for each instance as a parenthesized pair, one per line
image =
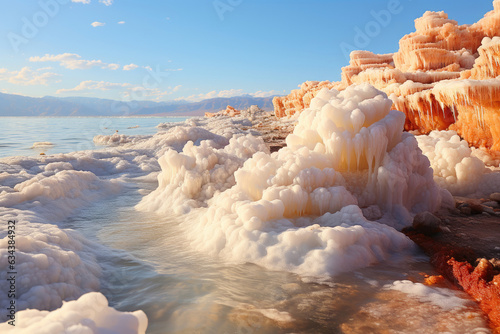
(298, 209)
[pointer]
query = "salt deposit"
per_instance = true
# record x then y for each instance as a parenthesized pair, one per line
(42, 144)
(444, 298)
(297, 209)
(89, 314)
(457, 167)
(53, 264)
(56, 264)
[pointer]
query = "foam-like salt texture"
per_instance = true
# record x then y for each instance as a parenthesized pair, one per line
(52, 264)
(444, 298)
(298, 209)
(59, 194)
(457, 167)
(90, 314)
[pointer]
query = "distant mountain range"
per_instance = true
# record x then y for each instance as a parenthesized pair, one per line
(17, 105)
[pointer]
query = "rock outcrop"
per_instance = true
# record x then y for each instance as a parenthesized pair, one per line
(444, 76)
(299, 99)
(481, 281)
(230, 111)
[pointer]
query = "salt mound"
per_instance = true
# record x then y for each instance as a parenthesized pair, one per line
(52, 264)
(90, 314)
(457, 167)
(298, 209)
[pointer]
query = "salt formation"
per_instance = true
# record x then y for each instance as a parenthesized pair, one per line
(89, 314)
(298, 209)
(457, 167)
(444, 76)
(57, 264)
(444, 298)
(42, 144)
(54, 264)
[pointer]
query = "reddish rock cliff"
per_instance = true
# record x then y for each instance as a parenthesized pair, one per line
(444, 76)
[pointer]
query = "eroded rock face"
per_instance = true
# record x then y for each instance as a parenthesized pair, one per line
(230, 111)
(444, 76)
(300, 99)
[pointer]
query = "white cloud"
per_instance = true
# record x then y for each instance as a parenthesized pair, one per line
(97, 24)
(86, 2)
(133, 66)
(126, 91)
(130, 67)
(95, 85)
(227, 94)
(113, 66)
(73, 61)
(28, 77)
(121, 22)
(261, 93)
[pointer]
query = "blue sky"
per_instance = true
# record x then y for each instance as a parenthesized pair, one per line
(196, 49)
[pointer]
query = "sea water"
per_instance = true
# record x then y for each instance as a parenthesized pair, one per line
(147, 263)
(68, 134)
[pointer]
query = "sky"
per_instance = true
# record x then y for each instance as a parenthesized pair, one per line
(196, 49)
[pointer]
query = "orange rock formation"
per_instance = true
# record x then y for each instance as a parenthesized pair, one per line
(299, 99)
(444, 76)
(230, 111)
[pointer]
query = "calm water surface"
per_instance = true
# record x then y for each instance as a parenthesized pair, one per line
(68, 134)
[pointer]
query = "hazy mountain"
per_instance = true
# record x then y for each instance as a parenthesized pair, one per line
(17, 105)
(211, 105)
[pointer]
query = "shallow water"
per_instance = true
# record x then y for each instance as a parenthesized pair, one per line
(151, 266)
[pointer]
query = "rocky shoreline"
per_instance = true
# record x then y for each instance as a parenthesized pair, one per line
(463, 246)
